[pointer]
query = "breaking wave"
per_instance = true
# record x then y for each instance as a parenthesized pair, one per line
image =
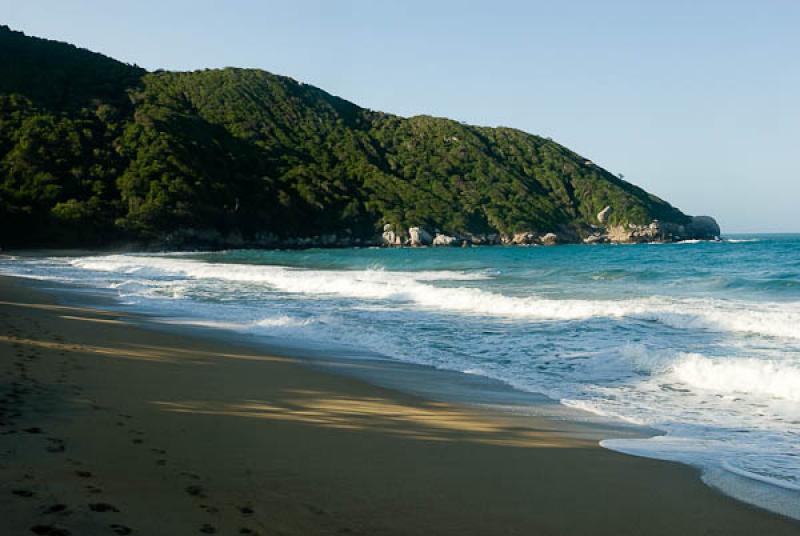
(418, 288)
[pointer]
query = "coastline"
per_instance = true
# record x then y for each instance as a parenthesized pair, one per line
(182, 433)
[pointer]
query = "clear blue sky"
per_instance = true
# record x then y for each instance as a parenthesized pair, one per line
(696, 101)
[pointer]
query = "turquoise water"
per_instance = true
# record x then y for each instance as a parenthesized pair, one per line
(698, 339)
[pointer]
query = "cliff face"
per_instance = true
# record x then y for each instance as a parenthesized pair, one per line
(93, 151)
(696, 228)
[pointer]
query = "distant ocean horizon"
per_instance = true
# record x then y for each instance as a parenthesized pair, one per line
(698, 339)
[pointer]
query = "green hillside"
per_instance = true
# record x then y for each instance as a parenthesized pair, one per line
(94, 151)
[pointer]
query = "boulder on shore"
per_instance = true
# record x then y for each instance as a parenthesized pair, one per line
(389, 237)
(524, 238)
(418, 236)
(444, 240)
(549, 239)
(595, 239)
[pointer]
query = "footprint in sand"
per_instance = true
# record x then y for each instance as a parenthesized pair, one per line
(49, 530)
(23, 493)
(196, 491)
(246, 510)
(120, 529)
(56, 508)
(208, 529)
(56, 445)
(103, 507)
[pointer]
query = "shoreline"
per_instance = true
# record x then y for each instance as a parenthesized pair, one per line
(451, 386)
(124, 247)
(280, 446)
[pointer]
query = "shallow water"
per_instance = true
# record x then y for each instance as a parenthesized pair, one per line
(699, 339)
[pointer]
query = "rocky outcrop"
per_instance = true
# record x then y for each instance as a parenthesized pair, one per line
(389, 237)
(418, 236)
(698, 228)
(528, 238)
(481, 239)
(549, 239)
(521, 239)
(632, 233)
(604, 214)
(703, 228)
(445, 240)
(596, 238)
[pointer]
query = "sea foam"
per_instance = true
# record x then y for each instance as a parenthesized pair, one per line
(415, 288)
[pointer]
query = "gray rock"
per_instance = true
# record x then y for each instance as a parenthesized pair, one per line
(418, 236)
(524, 238)
(635, 234)
(482, 239)
(603, 215)
(595, 239)
(549, 239)
(655, 231)
(444, 240)
(389, 237)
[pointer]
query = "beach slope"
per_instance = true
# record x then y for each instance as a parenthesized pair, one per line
(108, 427)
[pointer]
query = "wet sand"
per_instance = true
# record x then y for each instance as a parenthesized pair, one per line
(108, 427)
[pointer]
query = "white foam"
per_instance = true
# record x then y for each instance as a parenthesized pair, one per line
(280, 321)
(739, 376)
(413, 287)
(723, 375)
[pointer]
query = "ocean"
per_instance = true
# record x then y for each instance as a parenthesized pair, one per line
(700, 340)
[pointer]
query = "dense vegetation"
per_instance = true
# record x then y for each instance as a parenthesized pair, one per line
(93, 151)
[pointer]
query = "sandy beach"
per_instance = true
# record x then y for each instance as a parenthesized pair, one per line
(108, 427)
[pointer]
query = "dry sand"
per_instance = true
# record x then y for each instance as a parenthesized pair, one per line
(107, 427)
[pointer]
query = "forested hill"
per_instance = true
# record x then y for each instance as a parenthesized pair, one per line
(94, 151)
